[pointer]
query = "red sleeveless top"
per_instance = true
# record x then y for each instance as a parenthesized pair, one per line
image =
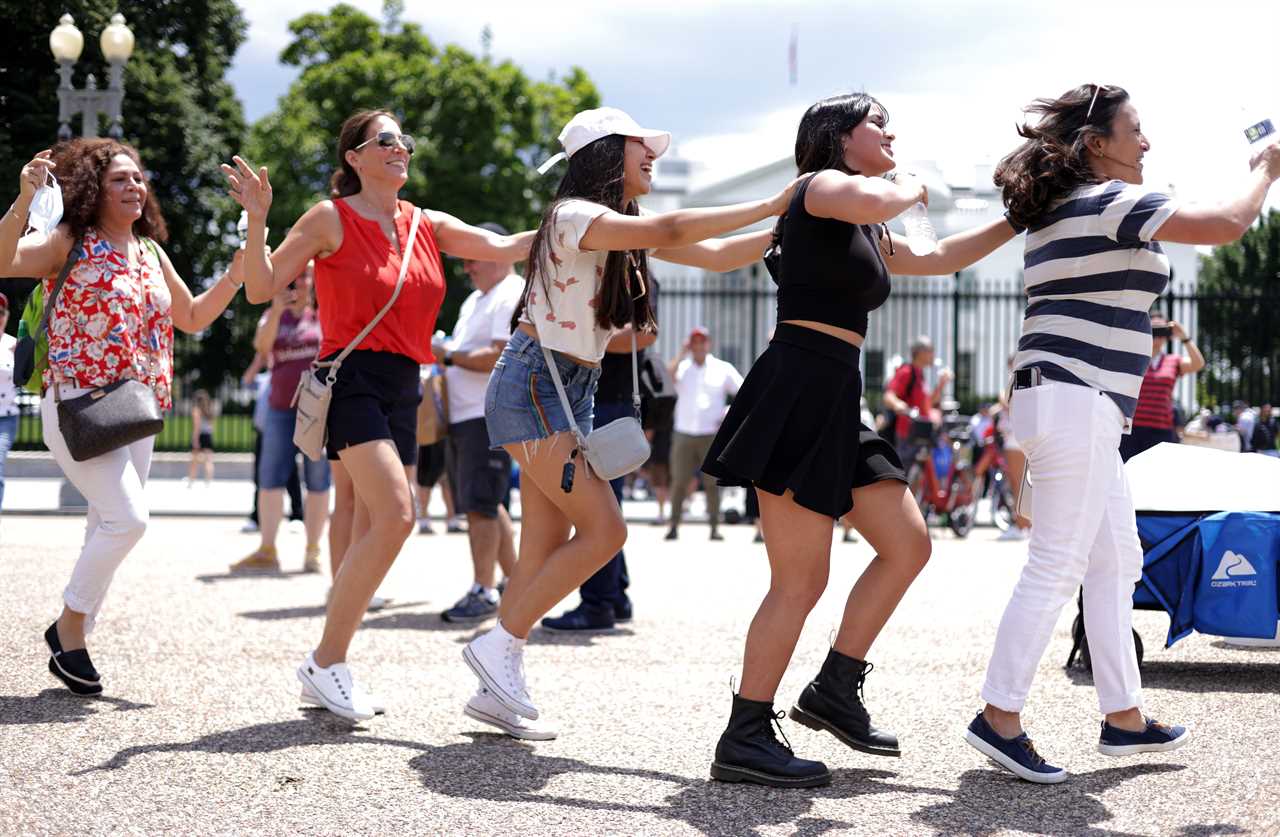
(357, 279)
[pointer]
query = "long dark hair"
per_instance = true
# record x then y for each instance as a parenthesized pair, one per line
(81, 165)
(345, 182)
(819, 146)
(595, 174)
(824, 126)
(1053, 161)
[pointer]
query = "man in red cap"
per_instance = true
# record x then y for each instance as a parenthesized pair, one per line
(704, 385)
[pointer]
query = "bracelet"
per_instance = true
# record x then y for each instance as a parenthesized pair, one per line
(13, 206)
(447, 360)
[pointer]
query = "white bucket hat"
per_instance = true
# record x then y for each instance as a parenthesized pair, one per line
(590, 125)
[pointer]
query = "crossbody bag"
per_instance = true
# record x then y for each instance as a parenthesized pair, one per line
(619, 447)
(311, 398)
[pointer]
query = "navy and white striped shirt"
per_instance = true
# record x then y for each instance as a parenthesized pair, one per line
(1091, 272)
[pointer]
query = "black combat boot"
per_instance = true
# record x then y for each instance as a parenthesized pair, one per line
(749, 752)
(833, 702)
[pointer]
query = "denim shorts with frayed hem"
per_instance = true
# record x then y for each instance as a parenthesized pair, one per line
(521, 404)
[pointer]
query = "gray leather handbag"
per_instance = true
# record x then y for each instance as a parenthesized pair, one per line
(107, 418)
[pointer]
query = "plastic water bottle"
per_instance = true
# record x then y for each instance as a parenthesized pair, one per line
(242, 227)
(922, 239)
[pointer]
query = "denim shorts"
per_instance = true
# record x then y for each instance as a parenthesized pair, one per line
(280, 455)
(521, 404)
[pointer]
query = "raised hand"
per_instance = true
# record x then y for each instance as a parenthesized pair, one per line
(35, 174)
(782, 200)
(1268, 157)
(251, 190)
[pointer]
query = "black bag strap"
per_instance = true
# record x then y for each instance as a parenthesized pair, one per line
(52, 299)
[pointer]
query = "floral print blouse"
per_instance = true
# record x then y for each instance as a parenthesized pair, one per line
(112, 323)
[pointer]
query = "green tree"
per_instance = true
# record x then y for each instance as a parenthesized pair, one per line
(482, 128)
(179, 112)
(1239, 328)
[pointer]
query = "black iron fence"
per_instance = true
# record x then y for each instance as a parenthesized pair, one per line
(974, 324)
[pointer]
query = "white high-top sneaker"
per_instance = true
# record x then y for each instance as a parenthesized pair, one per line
(497, 658)
(333, 687)
(486, 709)
(376, 702)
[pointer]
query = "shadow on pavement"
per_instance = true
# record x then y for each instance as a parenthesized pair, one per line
(991, 801)
(421, 621)
(1246, 678)
(312, 611)
(496, 768)
(315, 731)
(58, 706)
(541, 636)
(1208, 830)
(212, 578)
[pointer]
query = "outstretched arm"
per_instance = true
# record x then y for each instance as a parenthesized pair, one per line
(458, 238)
(1225, 222)
(955, 252)
(720, 254)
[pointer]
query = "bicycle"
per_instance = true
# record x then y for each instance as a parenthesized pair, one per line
(953, 494)
(991, 471)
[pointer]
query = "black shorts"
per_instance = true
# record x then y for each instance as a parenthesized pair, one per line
(480, 476)
(795, 424)
(375, 397)
(430, 463)
(205, 442)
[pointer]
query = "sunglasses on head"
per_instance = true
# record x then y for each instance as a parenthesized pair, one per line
(1097, 88)
(388, 139)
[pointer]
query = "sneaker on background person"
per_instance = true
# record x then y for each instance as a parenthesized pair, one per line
(262, 560)
(477, 605)
(1014, 533)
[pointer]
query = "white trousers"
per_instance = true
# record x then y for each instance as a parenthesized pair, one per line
(1083, 530)
(112, 485)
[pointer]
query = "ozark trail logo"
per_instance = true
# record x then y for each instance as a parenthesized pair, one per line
(1233, 570)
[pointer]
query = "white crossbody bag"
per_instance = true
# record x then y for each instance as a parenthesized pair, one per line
(619, 447)
(311, 398)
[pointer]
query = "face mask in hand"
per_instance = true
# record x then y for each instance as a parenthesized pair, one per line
(46, 207)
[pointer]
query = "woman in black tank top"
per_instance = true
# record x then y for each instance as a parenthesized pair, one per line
(795, 434)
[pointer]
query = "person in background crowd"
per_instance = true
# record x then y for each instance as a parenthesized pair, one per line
(258, 377)
(8, 392)
(1244, 418)
(480, 477)
(1153, 420)
(1263, 439)
(1093, 267)
(359, 239)
(704, 386)
(907, 391)
(112, 321)
(289, 335)
(204, 415)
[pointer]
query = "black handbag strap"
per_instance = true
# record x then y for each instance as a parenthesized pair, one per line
(52, 299)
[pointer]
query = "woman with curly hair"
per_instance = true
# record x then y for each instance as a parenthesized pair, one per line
(112, 321)
(1093, 268)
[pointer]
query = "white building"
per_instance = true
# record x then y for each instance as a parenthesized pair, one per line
(974, 320)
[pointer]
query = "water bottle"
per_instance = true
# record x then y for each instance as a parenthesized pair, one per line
(922, 239)
(242, 227)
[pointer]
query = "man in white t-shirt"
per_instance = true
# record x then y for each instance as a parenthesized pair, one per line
(704, 385)
(480, 477)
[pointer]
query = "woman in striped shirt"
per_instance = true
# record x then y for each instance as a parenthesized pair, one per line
(1092, 269)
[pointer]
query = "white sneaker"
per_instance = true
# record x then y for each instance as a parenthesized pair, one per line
(1013, 533)
(486, 709)
(376, 702)
(497, 658)
(334, 689)
(378, 602)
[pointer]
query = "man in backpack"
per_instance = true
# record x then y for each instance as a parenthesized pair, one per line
(907, 391)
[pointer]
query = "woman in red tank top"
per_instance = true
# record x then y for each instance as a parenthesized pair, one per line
(359, 238)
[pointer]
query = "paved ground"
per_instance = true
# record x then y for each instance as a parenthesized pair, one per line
(201, 732)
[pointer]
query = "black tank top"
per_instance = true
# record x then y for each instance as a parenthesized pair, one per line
(832, 271)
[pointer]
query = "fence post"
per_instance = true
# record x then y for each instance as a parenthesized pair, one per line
(955, 334)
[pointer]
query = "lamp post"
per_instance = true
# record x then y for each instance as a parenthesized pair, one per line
(66, 43)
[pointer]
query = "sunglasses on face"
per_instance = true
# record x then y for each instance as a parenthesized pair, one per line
(388, 139)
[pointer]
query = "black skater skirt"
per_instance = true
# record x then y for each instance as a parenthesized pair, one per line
(796, 424)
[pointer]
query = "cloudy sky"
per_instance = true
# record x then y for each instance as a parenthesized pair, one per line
(954, 74)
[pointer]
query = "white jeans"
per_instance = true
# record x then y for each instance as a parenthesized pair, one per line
(1083, 531)
(112, 485)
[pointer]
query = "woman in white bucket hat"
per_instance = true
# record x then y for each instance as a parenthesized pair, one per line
(586, 284)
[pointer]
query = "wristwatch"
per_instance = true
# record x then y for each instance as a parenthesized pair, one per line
(447, 360)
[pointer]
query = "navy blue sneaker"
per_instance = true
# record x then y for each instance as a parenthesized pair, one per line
(473, 607)
(1156, 738)
(1017, 755)
(582, 619)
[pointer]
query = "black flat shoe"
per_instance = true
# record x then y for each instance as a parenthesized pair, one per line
(73, 668)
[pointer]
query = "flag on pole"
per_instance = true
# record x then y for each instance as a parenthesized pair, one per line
(792, 49)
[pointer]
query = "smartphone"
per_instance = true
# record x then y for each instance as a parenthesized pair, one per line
(1259, 131)
(1162, 331)
(1023, 507)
